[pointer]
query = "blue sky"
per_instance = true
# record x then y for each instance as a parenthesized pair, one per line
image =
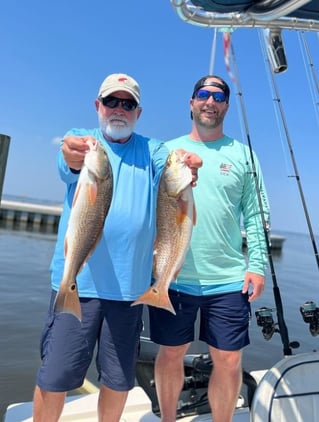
(54, 56)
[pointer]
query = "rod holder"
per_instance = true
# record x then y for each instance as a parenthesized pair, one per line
(275, 50)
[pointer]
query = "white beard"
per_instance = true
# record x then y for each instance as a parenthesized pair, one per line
(115, 128)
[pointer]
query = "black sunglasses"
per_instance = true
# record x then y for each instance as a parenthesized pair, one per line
(113, 102)
(203, 94)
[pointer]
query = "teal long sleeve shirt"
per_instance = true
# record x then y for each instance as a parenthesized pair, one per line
(226, 199)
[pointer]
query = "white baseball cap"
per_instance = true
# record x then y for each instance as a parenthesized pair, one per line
(120, 82)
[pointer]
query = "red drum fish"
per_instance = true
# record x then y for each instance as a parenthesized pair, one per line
(176, 216)
(91, 202)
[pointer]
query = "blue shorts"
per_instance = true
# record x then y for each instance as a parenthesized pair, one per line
(224, 320)
(67, 345)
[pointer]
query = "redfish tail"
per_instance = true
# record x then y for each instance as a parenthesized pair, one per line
(157, 298)
(67, 300)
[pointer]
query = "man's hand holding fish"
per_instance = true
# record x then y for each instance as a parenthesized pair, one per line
(193, 161)
(74, 149)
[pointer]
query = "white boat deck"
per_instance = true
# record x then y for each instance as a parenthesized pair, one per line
(287, 392)
(82, 408)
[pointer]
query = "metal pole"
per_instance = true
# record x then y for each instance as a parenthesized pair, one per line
(213, 54)
(4, 150)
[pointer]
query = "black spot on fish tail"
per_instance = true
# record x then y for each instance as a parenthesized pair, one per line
(155, 297)
(67, 300)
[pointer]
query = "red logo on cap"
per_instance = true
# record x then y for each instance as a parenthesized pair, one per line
(122, 79)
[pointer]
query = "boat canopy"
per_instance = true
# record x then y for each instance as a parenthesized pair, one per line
(280, 14)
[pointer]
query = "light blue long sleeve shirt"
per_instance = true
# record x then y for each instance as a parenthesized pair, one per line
(121, 266)
(225, 197)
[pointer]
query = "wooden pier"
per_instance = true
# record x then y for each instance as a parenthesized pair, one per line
(46, 218)
(31, 215)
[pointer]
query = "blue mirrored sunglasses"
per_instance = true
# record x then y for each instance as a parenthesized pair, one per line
(113, 102)
(203, 94)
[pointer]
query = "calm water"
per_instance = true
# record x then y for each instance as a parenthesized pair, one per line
(25, 287)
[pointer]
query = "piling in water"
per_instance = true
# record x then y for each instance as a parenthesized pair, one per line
(4, 150)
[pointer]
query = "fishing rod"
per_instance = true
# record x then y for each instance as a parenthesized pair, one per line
(309, 310)
(292, 155)
(264, 316)
(315, 83)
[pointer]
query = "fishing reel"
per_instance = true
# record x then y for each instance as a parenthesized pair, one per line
(310, 314)
(266, 321)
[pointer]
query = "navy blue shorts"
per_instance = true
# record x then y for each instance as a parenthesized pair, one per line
(224, 320)
(67, 345)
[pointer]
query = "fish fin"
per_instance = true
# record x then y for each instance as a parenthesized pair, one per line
(67, 300)
(181, 211)
(90, 253)
(194, 215)
(76, 194)
(65, 246)
(92, 193)
(155, 297)
(176, 274)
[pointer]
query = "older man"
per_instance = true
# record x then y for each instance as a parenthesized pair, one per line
(119, 270)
